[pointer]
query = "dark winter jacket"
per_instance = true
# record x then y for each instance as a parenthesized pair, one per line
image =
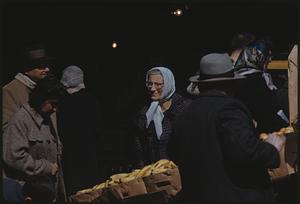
(148, 148)
(219, 154)
(80, 126)
(262, 103)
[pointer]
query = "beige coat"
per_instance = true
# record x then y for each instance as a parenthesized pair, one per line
(30, 146)
(14, 95)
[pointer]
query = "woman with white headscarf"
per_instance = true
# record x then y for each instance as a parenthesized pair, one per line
(155, 120)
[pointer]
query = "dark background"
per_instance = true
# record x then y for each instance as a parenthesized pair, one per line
(81, 33)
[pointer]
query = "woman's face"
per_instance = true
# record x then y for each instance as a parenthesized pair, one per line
(155, 86)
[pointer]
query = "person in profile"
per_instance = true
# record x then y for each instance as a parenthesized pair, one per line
(31, 146)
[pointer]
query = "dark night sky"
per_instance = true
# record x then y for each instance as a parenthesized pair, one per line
(81, 33)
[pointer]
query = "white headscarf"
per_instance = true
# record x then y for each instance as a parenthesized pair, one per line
(72, 78)
(154, 112)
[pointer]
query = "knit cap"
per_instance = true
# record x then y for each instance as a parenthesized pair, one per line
(72, 76)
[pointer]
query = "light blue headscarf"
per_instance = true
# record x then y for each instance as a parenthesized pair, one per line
(154, 112)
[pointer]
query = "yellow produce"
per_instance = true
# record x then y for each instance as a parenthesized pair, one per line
(281, 132)
(160, 163)
(156, 168)
(146, 171)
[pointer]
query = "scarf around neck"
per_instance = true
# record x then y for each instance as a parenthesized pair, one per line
(154, 113)
(25, 80)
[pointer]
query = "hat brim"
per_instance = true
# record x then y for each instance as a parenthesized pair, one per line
(236, 77)
(49, 60)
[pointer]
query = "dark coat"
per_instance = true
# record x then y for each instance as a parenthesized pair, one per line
(262, 103)
(80, 126)
(148, 148)
(218, 153)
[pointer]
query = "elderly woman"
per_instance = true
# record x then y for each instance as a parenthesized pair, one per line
(31, 147)
(155, 121)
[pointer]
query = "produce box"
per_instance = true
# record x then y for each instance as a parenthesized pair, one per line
(168, 181)
(129, 189)
(87, 197)
(158, 181)
(286, 167)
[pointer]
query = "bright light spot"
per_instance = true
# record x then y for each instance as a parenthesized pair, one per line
(114, 45)
(177, 12)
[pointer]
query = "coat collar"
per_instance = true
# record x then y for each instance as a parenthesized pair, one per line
(34, 114)
(25, 80)
(213, 92)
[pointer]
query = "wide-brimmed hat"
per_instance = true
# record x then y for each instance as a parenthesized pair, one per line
(35, 56)
(215, 67)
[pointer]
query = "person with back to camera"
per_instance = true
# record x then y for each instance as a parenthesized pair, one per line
(238, 43)
(154, 122)
(80, 127)
(216, 145)
(258, 91)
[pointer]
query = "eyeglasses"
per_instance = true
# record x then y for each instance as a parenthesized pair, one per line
(157, 85)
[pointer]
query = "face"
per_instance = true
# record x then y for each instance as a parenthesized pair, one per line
(38, 73)
(48, 107)
(155, 86)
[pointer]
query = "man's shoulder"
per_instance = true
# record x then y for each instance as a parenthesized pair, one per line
(13, 85)
(218, 100)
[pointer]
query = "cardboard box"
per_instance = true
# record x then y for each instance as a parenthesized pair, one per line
(168, 181)
(157, 187)
(293, 85)
(129, 189)
(89, 197)
(155, 197)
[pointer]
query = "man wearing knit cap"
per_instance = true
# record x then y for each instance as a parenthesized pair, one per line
(79, 125)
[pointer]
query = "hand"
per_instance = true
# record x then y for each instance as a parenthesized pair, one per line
(54, 168)
(276, 141)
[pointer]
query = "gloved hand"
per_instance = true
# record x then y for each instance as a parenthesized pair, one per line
(275, 140)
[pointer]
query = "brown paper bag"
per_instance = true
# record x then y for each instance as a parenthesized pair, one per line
(129, 189)
(283, 170)
(89, 197)
(168, 181)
